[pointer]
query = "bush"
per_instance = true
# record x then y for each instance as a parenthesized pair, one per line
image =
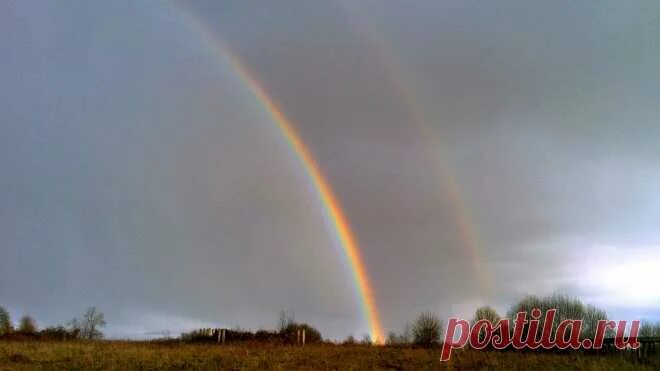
(287, 335)
(27, 325)
(57, 333)
(290, 333)
(199, 336)
(267, 336)
(427, 330)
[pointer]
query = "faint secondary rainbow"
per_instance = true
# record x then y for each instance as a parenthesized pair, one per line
(466, 227)
(332, 207)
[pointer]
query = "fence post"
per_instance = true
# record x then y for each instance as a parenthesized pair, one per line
(303, 337)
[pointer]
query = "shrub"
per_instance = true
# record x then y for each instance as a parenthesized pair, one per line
(267, 336)
(287, 335)
(200, 335)
(57, 333)
(290, 333)
(27, 325)
(427, 330)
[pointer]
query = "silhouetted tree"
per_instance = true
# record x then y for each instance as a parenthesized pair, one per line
(567, 308)
(5, 322)
(27, 325)
(285, 319)
(89, 324)
(427, 330)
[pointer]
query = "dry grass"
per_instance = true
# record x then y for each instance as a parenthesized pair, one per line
(121, 355)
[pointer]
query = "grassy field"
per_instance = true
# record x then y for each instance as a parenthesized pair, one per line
(121, 355)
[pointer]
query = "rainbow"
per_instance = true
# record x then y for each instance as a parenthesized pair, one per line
(332, 207)
(465, 225)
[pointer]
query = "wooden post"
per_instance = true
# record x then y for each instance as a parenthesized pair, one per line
(303, 337)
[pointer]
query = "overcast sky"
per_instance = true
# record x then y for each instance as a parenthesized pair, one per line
(138, 174)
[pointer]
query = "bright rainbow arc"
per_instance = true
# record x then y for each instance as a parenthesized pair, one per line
(333, 209)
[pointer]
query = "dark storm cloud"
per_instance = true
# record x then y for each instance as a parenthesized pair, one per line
(140, 176)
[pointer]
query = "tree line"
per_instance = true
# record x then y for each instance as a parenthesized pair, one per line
(88, 327)
(426, 330)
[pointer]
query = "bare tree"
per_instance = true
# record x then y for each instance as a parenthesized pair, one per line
(89, 324)
(5, 322)
(27, 325)
(427, 330)
(286, 320)
(487, 313)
